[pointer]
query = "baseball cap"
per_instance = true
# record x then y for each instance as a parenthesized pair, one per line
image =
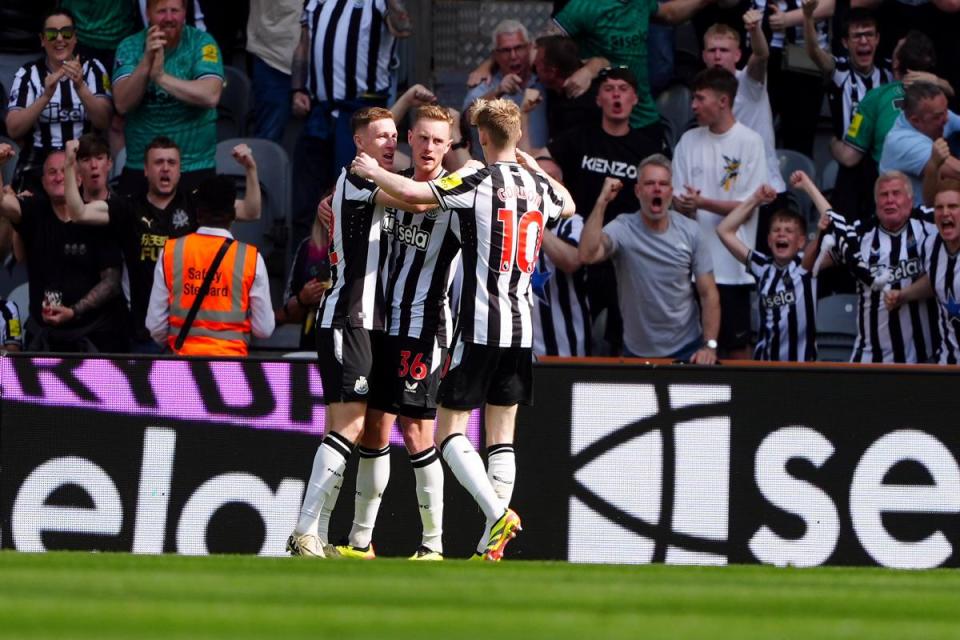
(621, 72)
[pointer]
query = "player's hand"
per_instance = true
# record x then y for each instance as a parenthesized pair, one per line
(6, 152)
(531, 98)
(893, 298)
(527, 160)
(56, 315)
(364, 165)
(704, 355)
(70, 152)
(611, 188)
(300, 105)
(778, 19)
(752, 19)
(244, 156)
(578, 83)
(511, 83)
(311, 293)
(940, 152)
(809, 6)
(325, 213)
(800, 180)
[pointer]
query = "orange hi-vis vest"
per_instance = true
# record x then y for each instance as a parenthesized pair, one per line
(222, 325)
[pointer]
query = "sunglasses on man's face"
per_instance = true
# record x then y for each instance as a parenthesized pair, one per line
(50, 35)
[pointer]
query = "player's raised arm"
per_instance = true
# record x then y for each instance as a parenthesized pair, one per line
(401, 188)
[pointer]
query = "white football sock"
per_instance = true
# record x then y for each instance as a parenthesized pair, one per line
(373, 474)
(502, 472)
(328, 465)
(429, 474)
(467, 467)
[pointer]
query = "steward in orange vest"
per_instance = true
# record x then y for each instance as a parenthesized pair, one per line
(232, 308)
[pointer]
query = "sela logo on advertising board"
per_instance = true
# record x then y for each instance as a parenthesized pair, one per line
(652, 473)
(653, 484)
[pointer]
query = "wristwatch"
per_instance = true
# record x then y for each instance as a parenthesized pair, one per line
(711, 344)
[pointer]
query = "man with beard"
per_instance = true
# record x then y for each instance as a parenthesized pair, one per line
(654, 254)
(143, 224)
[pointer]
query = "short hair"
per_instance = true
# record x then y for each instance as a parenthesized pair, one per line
(917, 52)
(560, 52)
(656, 160)
(948, 184)
(889, 176)
(152, 3)
(721, 30)
(509, 26)
(860, 15)
(160, 142)
(917, 93)
(365, 116)
(58, 11)
(433, 112)
(92, 145)
(500, 118)
(717, 79)
(789, 215)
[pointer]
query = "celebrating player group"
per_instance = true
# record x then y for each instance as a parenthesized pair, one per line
(386, 345)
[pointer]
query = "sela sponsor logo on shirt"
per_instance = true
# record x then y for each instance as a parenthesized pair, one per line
(413, 236)
(53, 113)
(905, 269)
(612, 168)
(779, 299)
(652, 469)
(520, 193)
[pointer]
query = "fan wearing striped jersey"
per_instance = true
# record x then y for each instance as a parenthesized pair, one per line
(942, 279)
(786, 289)
(500, 215)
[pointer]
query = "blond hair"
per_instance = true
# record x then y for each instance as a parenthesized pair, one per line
(433, 112)
(499, 118)
(721, 30)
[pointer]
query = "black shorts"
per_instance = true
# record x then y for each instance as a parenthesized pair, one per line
(734, 315)
(406, 377)
(475, 374)
(346, 360)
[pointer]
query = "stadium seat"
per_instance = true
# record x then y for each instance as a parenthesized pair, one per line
(11, 166)
(828, 176)
(234, 107)
(836, 327)
(674, 106)
(791, 161)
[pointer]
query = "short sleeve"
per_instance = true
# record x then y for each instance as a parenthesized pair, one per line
(569, 230)
(129, 52)
(615, 231)
(702, 261)
(757, 263)
(860, 132)
(552, 203)
(457, 190)
(573, 18)
(358, 189)
(907, 153)
(22, 92)
(209, 61)
(97, 78)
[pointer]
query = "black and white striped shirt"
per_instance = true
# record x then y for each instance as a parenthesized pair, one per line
(11, 328)
(945, 279)
(847, 88)
(909, 334)
(787, 297)
(561, 313)
(423, 254)
(351, 49)
(358, 254)
(64, 118)
(501, 211)
(790, 35)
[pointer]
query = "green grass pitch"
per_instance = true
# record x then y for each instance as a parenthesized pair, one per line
(91, 595)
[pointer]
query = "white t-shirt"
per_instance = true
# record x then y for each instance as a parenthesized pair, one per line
(752, 108)
(728, 166)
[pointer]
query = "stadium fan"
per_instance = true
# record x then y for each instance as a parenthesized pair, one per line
(76, 304)
(655, 252)
(942, 278)
(716, 167)
(272, 31)
(309, 278)
(142, 224)
(555, 60)
(501, 211)
(210, 294)
(56, 98)
(167, 81)
(885, 254)
(786, 286)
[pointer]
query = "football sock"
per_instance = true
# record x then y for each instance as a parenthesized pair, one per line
(328, 465)
(326, 511)
(467, 467)
(373, 474)
(501, 471)
(429, 475)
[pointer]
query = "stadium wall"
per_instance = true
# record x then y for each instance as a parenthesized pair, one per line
(624, 463)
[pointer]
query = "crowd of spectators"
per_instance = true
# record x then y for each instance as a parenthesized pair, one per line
(686, 234)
